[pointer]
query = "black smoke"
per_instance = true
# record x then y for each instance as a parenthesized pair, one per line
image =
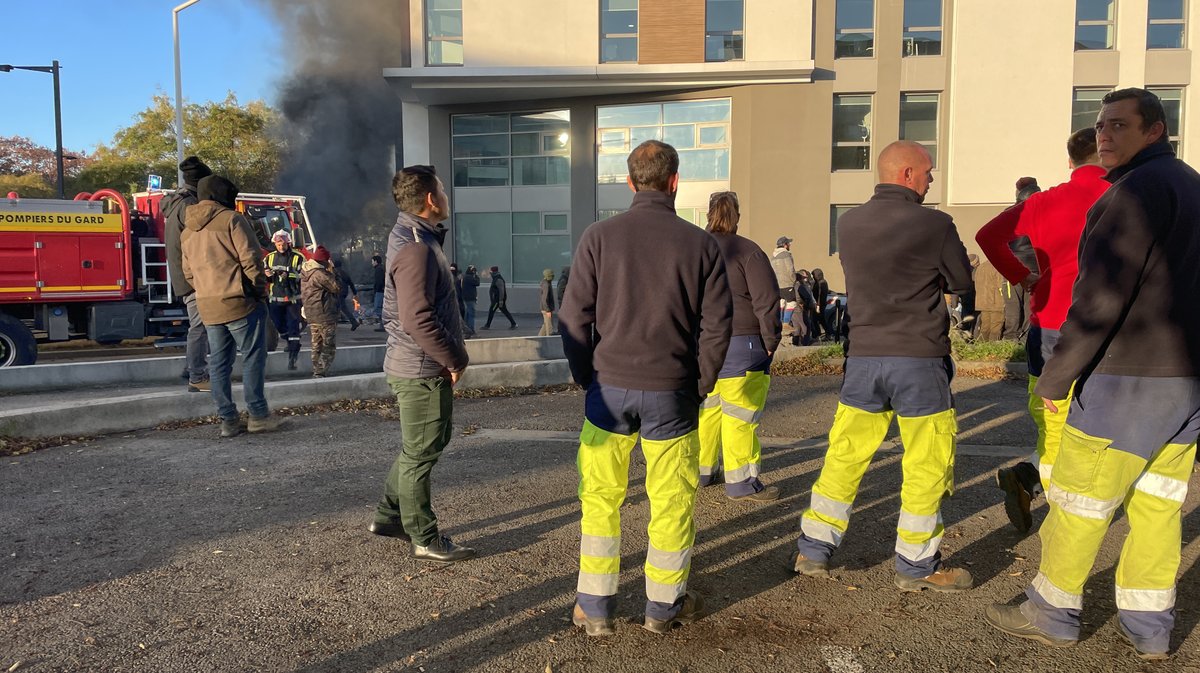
(340, 119)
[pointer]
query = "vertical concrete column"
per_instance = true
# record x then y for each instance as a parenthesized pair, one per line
(889, 50)
(1130, 43)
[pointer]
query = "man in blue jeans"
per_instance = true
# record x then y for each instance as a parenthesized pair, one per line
(223, 262)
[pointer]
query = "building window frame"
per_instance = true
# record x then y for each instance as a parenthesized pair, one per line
(433, 37)
(1174, 94)
(1096, 94)
(605, 8)
(660, 131)
(911, 48)
(512, 157)
(867, 130)
(1110, 23)
(724, 35)
(1180, 21)
(930, 144)
(854, 30)
(836, 210)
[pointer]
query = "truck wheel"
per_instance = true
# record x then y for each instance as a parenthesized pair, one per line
(17, 345)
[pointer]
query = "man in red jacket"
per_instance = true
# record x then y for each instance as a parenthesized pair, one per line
(1053, 220)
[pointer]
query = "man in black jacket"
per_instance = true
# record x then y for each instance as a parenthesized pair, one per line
(498, 293)
(470, 295)
(647, 361)
(172, 208)
(899, 258)
(1131, 346)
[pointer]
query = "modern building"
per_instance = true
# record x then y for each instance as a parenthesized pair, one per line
(529, 107)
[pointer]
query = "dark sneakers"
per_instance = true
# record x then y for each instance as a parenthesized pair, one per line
(1016, 499)
(1010, 619)
(231, 428)
(593, 626)
(442, 550)
(389, 530)
(768, 494)
(945, 580)
(692, 609)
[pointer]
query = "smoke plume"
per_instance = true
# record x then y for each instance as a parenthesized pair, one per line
(340, 119)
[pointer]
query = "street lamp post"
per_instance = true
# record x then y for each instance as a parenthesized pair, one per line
(58, 149)
(179, 91)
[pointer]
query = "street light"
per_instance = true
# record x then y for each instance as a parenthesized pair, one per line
(58, 150)
(179, 92)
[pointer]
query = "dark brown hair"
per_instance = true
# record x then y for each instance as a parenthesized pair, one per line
(1081, 146)
(1149, 108)
(651, 166)
(723, 213)
(411, 185)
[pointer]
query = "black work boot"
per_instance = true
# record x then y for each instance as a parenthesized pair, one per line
(292, 357)
(692, 609)
(1010, 619)
(593, 626)
(1017, 496)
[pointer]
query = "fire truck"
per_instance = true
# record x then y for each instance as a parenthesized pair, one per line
(95, 268)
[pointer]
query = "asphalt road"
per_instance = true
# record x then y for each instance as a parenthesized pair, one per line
(177, 551)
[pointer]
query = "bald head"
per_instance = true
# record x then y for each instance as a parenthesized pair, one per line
(907, 164)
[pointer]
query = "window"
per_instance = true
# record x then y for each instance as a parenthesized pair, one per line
(835, 213)
(919, 120)
(1172, 102)
(724, 30)
(1094, 24)
(922, 27)
(522, 244)
(499, 150)
(1085, 107)
(443, 32)
(851, 132)
(855, 29)
(699, 130)
(1164, 29)
(618, 31)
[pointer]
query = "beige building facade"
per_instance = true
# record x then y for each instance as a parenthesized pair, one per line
(529, 107)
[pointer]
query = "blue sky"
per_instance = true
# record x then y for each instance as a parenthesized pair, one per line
(116, 54)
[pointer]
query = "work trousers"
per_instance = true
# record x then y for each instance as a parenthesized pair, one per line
(730, 415)
(197, 342)
(1128, 441)
(324, 346)
(874, 391)
(1039, 345)
(614, 420)
(547, 324)
(425, 407)
(469, 315)
(503, 308)
(286, 316)
(249, 335)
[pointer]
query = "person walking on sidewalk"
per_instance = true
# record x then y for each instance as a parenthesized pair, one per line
(1053, 221)
(730, 416)
(345, 306)
(647, 360)
(173, 206)
(426, 355)
(222, 261)
(898, 257)
(547, 302)
(1131, 346)
(470, 296)
(283, 270)
(321, 291)
(498, 293)
(379, 274)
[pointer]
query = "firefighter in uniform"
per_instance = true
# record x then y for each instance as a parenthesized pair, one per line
(1053, 220)
(1131, 346)
(899, 257)
(283, 270)
(730, 415)
(645, 324)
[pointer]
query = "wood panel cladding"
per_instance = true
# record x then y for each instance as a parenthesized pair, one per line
(671, 31)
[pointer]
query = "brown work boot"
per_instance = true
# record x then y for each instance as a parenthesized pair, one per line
(268, 423)
(1010, 619)
(806, 566)
(945, 580)
(691, 610)
(593, 626)
(200, 387)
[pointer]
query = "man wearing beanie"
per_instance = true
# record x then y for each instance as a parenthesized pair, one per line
(321, 294)
(547, 300)
(172, 207)
(223, 262)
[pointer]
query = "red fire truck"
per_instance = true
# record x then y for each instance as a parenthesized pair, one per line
(95, 268)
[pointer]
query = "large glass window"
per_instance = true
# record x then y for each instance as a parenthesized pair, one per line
(618, 31)
(443, 32)
(498, 150)
(698, 130)
(855, 29)
(922, 27)
(724, 30)
(1172, 102)
(919, 120)
(522, 244)
(1085, 107)
(1165, 27)
(835, 213)
(1094, 24)
(851, 132)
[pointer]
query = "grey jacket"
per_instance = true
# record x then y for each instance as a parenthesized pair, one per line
(420, 308)
(784, 267)
(172, 207)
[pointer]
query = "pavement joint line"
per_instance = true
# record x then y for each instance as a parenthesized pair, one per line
(841, 659)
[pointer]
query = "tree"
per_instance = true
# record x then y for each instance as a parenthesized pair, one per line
(20, 156)
(29, 186)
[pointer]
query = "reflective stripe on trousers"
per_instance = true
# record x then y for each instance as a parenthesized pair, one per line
(1049, 431)
(729, 420)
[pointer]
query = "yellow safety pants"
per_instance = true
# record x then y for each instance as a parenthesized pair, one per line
(729, 419)
(1049, 426)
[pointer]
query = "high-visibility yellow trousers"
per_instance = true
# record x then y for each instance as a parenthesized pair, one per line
(729, 420)
(1091, 478)
(672, 475)
(928, 468)
(1049, 431)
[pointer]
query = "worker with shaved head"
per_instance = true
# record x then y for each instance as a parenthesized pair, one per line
(899, 258)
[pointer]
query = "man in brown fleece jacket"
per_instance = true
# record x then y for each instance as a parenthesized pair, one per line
(1131, 346)
(645, 324)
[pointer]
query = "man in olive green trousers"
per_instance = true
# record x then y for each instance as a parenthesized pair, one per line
(426, 355)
